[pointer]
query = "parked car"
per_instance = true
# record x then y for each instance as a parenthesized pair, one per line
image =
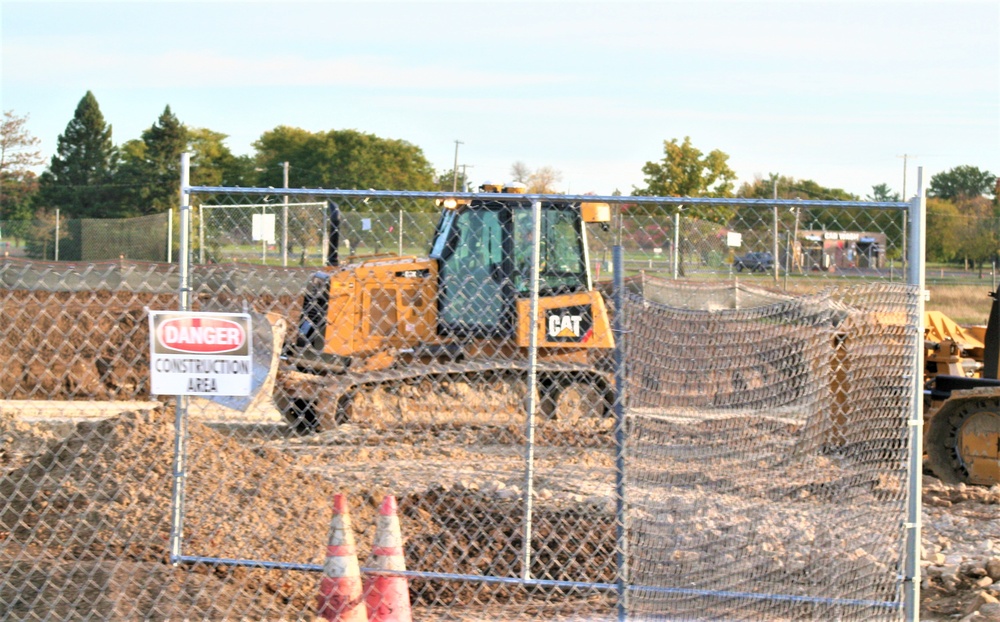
(754, 262)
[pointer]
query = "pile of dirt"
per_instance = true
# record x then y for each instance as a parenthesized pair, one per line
(19, 440)
(75, 345)
(98, 503)
(103, 494)
(571, 544)
(92, 344)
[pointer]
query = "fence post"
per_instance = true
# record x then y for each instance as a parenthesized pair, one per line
(532, 399)
(325, 238)
(677, 242)
(915, 277)
(621, 535)
(777, 261)
(201, 235)
(284, 222)
(170, 234)
(180, 419)
(56, 249)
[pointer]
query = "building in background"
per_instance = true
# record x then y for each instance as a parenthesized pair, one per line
(825, 250)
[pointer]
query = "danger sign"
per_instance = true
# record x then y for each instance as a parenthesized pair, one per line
(200, 353)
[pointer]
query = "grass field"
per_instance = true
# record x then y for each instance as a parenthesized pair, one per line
(966, 304)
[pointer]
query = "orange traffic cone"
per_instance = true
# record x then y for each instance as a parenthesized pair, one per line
(387, 595)
(340, 596)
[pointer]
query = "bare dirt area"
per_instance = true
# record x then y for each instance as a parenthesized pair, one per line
(86, 527)
(85, 504)
(94, 505)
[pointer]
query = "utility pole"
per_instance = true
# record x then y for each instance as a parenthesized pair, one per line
(454, 170)
(905, 157)
(465, 179)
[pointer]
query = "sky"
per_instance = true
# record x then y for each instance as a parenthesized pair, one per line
(848, 94)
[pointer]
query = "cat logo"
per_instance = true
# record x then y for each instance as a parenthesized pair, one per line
(564, 326)
(569, 324)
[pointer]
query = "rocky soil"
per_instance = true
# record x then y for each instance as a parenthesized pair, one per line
(84, 506)
(85, 523)
(961, 559)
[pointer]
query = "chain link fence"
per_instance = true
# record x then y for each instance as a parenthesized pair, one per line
(51, 237)
(614, 419)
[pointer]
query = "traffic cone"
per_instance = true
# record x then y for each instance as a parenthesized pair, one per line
(340, 590)
(387, 596)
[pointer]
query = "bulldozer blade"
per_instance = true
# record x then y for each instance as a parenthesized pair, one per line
(268, 337)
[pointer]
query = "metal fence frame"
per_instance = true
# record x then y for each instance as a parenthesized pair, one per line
(915, 215)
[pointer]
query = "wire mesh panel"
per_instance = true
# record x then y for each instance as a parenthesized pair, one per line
(767, 455)
(397, 349)
(235, 229)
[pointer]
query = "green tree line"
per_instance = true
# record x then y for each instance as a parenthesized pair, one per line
(90, 176)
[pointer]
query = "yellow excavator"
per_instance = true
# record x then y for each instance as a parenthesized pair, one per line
(962, 399)
(465, 309)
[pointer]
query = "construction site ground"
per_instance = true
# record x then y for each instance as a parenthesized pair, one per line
(85, 513)
(129, 563)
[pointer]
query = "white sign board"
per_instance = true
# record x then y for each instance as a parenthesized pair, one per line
(734, 239)
(200, 353)
(262, 228)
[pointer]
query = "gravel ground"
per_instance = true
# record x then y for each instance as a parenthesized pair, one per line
(84, 501)
(80, 533)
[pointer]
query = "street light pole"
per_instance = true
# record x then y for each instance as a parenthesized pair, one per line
(454, 170)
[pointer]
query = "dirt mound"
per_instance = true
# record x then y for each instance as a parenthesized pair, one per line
(489, 542)
(104, 492)
(117, 590)
(92, 344)
(100, 499)
(19, 440)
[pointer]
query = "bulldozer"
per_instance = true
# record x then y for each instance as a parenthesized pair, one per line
(962, 399)
(464, 309)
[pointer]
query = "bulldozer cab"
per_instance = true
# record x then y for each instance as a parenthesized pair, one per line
(484, 253)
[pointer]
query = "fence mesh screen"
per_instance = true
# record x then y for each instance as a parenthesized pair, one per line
(753, 465)
(767, 453)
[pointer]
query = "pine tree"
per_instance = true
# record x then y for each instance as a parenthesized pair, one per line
(79, 178)
(151, 166)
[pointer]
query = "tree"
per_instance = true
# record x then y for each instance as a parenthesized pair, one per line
(979, 238)
(343, 159)
(18, 183)
(962, 181)
(790, 188)
(543, 180)
(78, 180)
(213, 164)
(945, 227)
(446, 179)
(882, 194)
(18, 147)
(151, 167)
(41, 235)
(685, 172)
(520, 173)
